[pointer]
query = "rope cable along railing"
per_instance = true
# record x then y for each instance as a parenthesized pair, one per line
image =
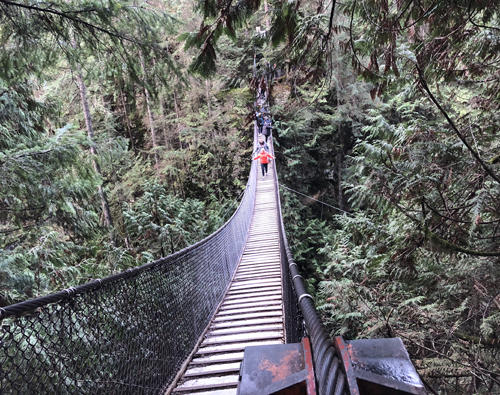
(328, 371)
(126, 333)
(316, 200)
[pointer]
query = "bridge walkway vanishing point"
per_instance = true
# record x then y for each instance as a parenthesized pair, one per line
(251, 313)
(180, 324)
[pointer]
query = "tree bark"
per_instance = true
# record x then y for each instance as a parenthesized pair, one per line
(177, 117)
(207, 94)
(127, 119)
(108, 219)
(340, 194)
(266, 17)
(150, 114)
(163, 128)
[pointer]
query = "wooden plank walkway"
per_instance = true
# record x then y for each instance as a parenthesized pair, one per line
(252, 310)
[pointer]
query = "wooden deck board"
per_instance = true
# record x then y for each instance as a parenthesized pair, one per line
(252, 310)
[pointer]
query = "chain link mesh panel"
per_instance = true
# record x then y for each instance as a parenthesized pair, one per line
(128, 333)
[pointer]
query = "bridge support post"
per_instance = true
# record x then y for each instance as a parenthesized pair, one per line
(279, 369)
(378, 366)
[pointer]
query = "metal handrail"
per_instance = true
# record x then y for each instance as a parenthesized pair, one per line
(328, 372)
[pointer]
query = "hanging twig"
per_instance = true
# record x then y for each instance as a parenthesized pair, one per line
(330, 24)
(475, 154)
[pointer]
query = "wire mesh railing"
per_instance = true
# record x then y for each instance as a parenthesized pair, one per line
(128, 333)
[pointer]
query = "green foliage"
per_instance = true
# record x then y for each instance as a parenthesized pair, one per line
(411, 248)
(51, 224)
(33, 36)
(284, 21)
(159, 223)
(223, 19)
(417, 257)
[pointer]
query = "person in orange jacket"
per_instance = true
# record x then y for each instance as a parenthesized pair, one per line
(264, 157)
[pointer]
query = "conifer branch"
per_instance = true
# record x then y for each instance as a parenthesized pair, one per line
(351, 40)
(470, 16)
(76, 20)
(64, 15)
(490, 374)
(448, 246)
(424, 85)
(330, 24)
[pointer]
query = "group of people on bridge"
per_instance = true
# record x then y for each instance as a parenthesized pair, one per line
(264, 125)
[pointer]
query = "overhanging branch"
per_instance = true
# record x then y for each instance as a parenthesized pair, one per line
(475, 154)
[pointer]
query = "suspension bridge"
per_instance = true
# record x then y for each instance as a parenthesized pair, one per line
(227, 315)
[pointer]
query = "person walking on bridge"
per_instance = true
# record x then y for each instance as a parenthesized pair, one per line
(260, 121)
(262, 144)
(266, 127)
(264, 157)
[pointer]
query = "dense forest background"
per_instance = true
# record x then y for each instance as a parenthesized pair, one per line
(125, 135)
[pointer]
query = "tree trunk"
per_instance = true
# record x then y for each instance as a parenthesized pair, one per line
(108, 220)
(162, 113)
(207, 93)
(266, 17)
(177, 117)
(340, 194)
(163, 127)
(150, 115)
(127, 119)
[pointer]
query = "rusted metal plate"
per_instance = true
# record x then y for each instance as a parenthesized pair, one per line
(378, 366)
(384, 362)
(272, 369)
(343, 352)
(309, 366)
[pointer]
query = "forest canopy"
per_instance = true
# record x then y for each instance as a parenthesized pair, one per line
(125, 136)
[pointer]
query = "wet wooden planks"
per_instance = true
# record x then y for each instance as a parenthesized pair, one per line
(252, 310)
